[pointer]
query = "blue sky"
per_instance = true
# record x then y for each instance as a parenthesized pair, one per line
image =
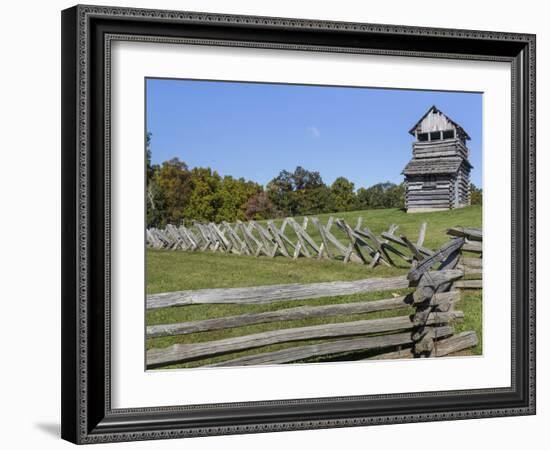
(255, 130)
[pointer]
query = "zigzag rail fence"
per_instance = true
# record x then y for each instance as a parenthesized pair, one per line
(359, 244)
(436, 276)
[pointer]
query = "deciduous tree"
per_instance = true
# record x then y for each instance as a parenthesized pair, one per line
(343, 194)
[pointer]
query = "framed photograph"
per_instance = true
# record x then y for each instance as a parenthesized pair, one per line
(279, 224)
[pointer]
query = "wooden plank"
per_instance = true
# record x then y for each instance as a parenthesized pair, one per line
(474, 247)
(430, 282)
(328, 226)
(252, 241)
(282, 235)
(216, 231)
(300, 231)
(405, 353)
(321, 254)
(359, 241)
(266, 238)
(439, 255)
(353, 239)
(274, 293)
(321, 229)
(301, 312)
(444, 301)
(378, 246)
(178, 241)
(392, 249)
(236, 239)
(301, 246)
(451, 261)
(442, 195)
(252, 250)
(277, 236)
(204, 235)
(412, 248)
(391, 230)
(193, 238)
(421, 234)
(207, 234)
(391, 237)
(472, 234)
(441, 300)
(298, 250)
(468, 284)
(422, 201)
(325, 348)
(456, 343)
(182, 233)
(186, 352)
(347, 252)
(470, 270)
(284, 224)
(472, 262)
(152, 239)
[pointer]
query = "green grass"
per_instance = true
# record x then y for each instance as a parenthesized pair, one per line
(472, 306)
(176, 270)
(378, 220)
(173, 271)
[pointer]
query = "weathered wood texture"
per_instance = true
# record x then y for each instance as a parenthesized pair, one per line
(469, 284)
(326, 348)
(438, 175)
(323, 349)
(358, 244)
(474, 247)
(474, 263)
(419, 334)
(404, 353)
(473, 234)
(300, 312)
(186, 352)
(274, 293)
(456, 343)
(441, 254)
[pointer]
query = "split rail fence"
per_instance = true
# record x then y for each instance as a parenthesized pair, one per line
(425, 331)
(359, 244)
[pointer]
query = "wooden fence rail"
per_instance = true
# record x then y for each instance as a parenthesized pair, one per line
(358, 244)
(300, 312)
(471, 266)
(293, 240)
(274, 293)
(424, 328)
(426, 331)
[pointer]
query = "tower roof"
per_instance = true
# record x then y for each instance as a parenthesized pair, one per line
(432, 166)
(435, 120)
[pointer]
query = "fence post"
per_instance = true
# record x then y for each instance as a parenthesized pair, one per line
(427, 304)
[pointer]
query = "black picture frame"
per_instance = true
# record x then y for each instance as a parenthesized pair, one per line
(87, 416)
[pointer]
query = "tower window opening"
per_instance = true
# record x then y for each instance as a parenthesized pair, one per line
(435, 135)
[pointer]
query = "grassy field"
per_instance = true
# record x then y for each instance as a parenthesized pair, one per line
(176, 270)
(172, 271)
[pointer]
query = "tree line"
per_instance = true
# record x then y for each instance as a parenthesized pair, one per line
(175, 193)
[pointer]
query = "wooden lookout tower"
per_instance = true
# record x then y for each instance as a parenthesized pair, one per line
(438, 175)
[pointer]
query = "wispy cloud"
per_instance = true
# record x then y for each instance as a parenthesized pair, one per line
(313, 131)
